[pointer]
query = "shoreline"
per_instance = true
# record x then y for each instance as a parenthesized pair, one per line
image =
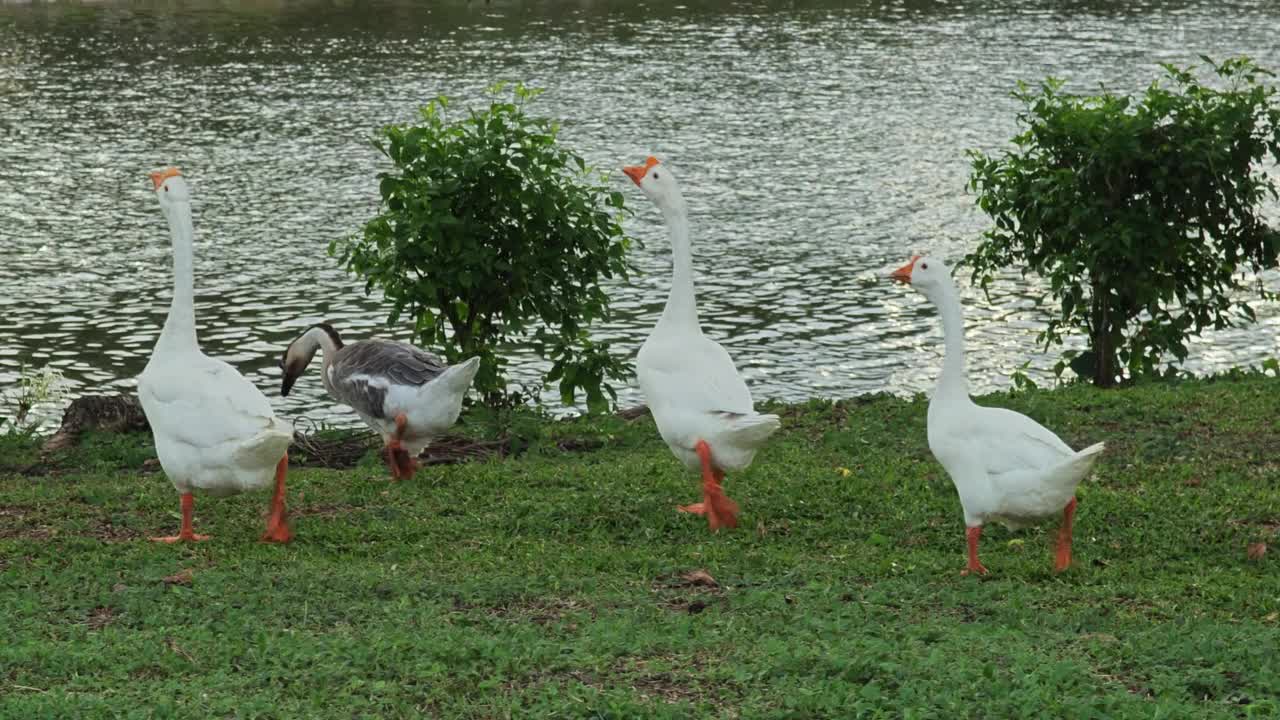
(482, 433)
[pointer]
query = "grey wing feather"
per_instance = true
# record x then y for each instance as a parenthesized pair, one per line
(363, 372)
(400, 363)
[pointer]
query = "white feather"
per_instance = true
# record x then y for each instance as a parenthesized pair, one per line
(1006, 467)
(214, 431)
(689, 381)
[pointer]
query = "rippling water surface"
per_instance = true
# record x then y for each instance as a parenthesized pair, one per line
(817, 145)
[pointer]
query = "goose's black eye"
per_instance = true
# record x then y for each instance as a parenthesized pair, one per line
(924, 266)
(166, 188)
(655, 175)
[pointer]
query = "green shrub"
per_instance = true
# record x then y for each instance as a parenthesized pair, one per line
(1139, 212)
(488, 227)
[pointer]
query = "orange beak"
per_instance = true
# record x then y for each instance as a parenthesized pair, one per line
(903, 274)
(158, 177)
(637, 172)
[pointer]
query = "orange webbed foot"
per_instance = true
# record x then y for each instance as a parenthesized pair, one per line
(722, 512)
(407, 464)
(392, 447)
(186, 534)
(1062, 562)
(694, 509)
(277, 532)
(402, 463)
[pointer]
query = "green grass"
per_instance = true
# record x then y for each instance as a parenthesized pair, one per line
(549, 585)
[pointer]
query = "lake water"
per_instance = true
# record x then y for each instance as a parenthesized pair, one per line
(818, 146)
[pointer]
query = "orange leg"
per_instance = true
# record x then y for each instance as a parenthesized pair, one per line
(722, 512)
(707, 471)
(392, 448)
(972, 534)
(719, 509)
(402, 465)
(277, 525)
(1062, 560)
(186, 534)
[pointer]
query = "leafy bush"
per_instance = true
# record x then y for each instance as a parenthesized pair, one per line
(489, 226)
(1139, 212)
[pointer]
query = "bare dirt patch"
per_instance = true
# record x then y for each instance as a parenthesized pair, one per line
(691, 591)
(104, 530)
(579, 444)
(1268, 527)
(177, 649)
(182, 577)
(100, 617)
(651, 682)
(150, 672)
(23, 523)
(13, 522)
(324, 510)
(26, 533)
(346, 450)
(652, 678)
(540, 611)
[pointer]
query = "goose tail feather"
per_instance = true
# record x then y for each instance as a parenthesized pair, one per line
(750, 431)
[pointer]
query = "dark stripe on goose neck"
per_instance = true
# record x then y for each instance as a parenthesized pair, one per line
(333, 334)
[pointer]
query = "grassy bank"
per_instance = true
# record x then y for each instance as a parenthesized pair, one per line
(558, 583)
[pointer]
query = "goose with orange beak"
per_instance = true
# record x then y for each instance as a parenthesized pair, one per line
(214, 431)
(700, 403)
(1005, 466)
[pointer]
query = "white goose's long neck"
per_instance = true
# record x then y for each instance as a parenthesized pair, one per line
(953, 382)
(682, 303)
(179, 331)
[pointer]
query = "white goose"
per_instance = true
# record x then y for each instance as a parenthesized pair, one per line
(214, 431)
(701, 404)
(405, 394)
(1006, 467)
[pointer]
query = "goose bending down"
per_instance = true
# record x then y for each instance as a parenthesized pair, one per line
(405, 394)
(214, 431)
(1006, 467)
(700, 403)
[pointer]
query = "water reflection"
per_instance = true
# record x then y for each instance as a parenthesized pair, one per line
(818, 145)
